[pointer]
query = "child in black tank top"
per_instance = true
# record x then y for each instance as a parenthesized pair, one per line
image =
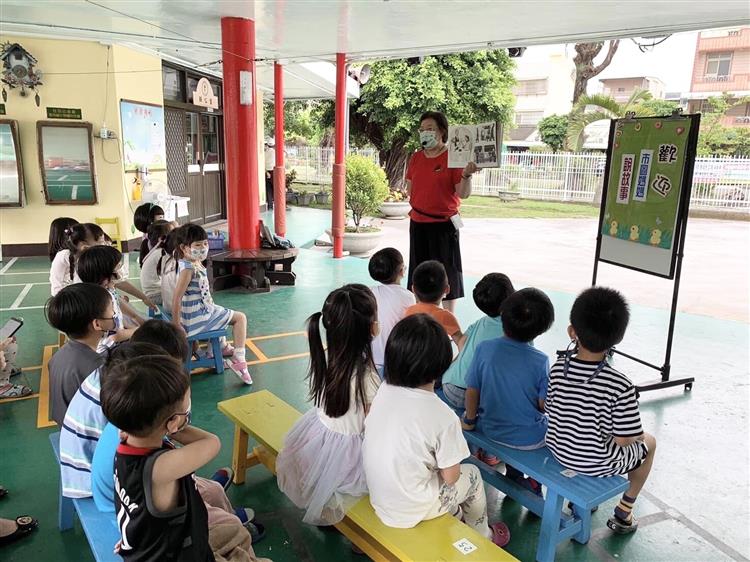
(160, 514)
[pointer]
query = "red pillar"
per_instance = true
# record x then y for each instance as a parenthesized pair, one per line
(240, 133)
(279, 173)
(338, 219)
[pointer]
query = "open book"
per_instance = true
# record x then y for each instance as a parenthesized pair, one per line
(478, 143)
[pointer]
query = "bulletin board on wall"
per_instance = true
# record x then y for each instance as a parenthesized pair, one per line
(647, 192)
(143, 136)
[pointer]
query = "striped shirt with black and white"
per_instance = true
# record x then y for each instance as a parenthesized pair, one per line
(585, 416)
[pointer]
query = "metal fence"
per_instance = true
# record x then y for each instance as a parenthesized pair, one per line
(719, 182)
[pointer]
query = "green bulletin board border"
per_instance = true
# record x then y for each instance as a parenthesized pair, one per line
(685, 189)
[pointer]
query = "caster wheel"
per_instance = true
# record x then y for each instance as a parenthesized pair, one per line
(689, 387)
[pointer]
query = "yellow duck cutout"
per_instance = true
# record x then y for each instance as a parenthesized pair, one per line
(655, 237)
(635, 233)
(613, 228)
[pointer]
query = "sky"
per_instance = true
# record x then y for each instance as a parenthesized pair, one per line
(671, 61)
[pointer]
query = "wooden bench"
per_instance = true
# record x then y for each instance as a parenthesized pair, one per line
(267, 418)
(584, 492)
(254, 270)
(100, 528)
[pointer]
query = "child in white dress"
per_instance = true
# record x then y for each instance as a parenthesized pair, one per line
(320, 466)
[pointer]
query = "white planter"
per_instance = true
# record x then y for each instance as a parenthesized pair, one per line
(395, 209)
(359, 243)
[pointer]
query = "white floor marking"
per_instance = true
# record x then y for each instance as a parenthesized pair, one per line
(21, 296)
(8, 265)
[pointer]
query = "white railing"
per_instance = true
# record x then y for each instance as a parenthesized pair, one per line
(314, 164)
(719, 182)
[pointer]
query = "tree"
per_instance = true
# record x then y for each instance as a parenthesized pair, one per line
(467, 87)
(299, 122)
(716, 139)
(553, 130)
(366, 187)
(585, 67)
(658, 107)
(592, 108)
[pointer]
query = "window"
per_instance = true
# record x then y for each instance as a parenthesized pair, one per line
(619, 90)
(172, 80)
(718, 65)
(66, 159)
(531, 87)
(11, 169)
(528, 117)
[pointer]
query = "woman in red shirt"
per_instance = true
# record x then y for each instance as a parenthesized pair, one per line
(435, 193)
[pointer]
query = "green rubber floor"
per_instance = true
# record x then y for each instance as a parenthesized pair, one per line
(695, 506)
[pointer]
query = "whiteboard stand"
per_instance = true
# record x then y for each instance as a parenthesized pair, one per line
(672, 271)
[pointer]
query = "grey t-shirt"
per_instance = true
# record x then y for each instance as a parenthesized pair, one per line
(68, 368)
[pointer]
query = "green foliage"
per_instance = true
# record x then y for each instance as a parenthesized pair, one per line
(659, 108)
(289, 178)
(300, 124)
(604, 107)
(366, 187)
(715, 138)
(553, 130)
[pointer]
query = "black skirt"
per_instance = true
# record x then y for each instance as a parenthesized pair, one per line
(437, 241)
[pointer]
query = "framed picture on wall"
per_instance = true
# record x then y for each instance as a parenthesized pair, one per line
(66, 160)
(11, 165)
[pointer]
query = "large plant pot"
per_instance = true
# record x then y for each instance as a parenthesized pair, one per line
(306, 199)
(322, 198)
(395, 209)
(360, 243)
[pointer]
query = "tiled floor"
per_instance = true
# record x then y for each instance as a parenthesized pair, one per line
(695, 507)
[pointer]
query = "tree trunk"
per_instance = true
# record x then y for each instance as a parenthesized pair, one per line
(394, 162)
(584, 62)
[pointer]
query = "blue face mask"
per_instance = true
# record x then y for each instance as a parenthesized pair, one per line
(428, 139)
(199, 254)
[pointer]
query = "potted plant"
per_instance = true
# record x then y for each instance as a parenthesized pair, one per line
(291, 195)
(366, 189)
(321, 197)
(306, 198)
(396, 205)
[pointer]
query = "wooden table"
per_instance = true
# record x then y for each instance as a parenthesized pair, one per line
(253, 270)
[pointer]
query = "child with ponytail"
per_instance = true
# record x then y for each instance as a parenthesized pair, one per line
(320, 465)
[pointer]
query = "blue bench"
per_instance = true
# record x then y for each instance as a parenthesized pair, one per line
(213, 338)
(584, 492)
(100, 528)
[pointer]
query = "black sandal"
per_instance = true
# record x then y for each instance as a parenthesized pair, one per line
(3, 492)
(25, 524)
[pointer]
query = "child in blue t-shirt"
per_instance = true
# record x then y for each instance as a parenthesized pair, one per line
(507, 380)
(489, 295)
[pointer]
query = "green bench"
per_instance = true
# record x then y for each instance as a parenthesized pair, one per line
(267, 419)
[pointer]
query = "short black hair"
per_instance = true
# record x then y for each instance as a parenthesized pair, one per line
(491, 292)
(144, 215)
(75, 307)
(599, 317)
(165, 335)
(527, 314)
(385, 265)
(138, 395)
(418, 352)
(440, 119)
(124, 351)
(429, 281)
(98, 263)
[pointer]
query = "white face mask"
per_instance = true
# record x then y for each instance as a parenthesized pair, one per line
(428, 139)
(199, 254)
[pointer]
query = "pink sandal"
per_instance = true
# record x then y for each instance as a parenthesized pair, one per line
(240, 369)
(500, 534)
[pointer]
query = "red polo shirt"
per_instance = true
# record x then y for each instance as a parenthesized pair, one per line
(433, 187)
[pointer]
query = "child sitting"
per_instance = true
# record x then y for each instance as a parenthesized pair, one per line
(9, 349)
(84, 312)
(157, 233)
(413, 444)
(161, 516)
(387, 267)
(192, 306)
(430, 285)
(145, 215)
(77, 238)
(153, 263)
(101, 265)
(594, 422)
(320, 466)
(489, 295)
(507, 381)
(58, 235)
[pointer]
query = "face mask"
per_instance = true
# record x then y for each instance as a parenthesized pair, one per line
(199, 254)
(428, 139)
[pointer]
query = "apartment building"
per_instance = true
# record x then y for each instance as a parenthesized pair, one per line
(622, 88)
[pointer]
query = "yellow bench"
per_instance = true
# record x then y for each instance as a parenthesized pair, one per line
(267, 418)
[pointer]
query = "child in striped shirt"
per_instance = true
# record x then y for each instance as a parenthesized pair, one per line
(193, 308)
(594, 423)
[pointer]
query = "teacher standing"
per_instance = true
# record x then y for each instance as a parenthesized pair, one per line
(435, 192)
